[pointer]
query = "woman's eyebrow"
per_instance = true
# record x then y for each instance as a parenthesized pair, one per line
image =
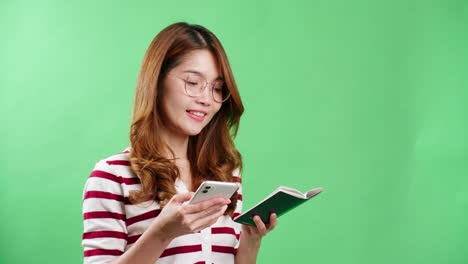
(219, 78)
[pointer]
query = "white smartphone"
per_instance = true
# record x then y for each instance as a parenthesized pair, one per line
(211, 189)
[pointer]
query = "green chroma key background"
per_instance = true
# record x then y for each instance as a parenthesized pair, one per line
(367, 99)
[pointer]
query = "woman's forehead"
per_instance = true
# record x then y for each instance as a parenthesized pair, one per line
(200, 62)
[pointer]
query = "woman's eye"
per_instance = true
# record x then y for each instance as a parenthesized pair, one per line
(218, 90)
(192, 83)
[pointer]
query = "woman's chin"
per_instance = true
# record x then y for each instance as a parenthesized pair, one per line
(192, 132)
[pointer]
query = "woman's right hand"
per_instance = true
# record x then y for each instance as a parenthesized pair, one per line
(178, 218)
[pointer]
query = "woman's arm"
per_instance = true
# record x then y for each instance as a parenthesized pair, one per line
(146, 249)
(104, 231)
(251, 238)
(176, 219)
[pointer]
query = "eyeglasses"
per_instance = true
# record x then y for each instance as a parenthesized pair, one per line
(195, 85)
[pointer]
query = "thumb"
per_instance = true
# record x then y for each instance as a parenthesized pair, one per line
(182, 197)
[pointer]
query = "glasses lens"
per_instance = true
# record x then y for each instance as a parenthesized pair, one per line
(194, 85)
(220, 92)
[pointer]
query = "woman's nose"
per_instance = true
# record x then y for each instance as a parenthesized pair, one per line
(205, 97)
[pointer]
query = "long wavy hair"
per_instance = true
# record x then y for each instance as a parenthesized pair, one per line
(212, 153)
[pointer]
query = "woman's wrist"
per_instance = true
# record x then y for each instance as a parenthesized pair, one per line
(247, 251)
(157, 231)
(251, 244)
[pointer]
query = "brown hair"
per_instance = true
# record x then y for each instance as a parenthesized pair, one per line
(211, 153)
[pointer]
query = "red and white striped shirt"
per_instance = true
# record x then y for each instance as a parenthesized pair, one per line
(112, 224)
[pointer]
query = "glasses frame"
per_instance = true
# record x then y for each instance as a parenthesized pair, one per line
(203, 89)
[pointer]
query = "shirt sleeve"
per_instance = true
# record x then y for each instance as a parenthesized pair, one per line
(238, 210)
(105, 233)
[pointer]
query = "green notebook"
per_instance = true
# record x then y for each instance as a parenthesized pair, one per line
(280, 201)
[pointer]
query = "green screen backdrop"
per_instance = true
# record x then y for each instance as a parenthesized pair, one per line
(367, 99)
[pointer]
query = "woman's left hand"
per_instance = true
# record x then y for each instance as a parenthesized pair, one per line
(251, 238)
(254, 234)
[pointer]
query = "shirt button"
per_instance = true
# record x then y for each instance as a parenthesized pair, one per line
(206, 239)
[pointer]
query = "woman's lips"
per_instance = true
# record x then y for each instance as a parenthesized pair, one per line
(196, 115)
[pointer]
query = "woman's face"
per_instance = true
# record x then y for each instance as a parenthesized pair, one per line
(184, 115)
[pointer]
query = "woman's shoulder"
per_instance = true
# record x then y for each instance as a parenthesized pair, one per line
(236, 175)
(120, 158)
(115, 168)
(236, 172)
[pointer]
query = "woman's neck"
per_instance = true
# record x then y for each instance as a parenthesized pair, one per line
(178, 145)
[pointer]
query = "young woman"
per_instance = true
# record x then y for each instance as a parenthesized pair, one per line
(187, 109)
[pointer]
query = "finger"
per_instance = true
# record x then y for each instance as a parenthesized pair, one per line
(209, 220)
(260, 225)
(208, 212)
(248, 229)
(182, 197)
(202, 206)
(273, 221)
